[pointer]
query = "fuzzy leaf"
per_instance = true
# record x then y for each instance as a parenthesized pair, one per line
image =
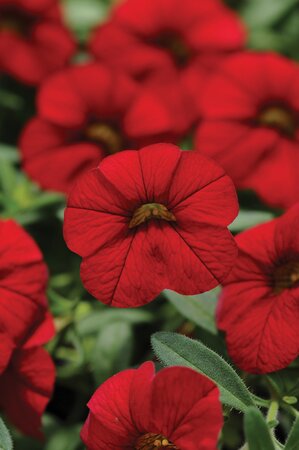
(257, 432)
(173, 349)
(5, 439)
(293, 438)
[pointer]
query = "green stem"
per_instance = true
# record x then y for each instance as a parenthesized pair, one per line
(272, 411)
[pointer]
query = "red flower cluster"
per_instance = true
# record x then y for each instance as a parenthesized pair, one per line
(26, 370)
(251, 124)
(152, 219)
(33, 40)
(154, 41)
(259, 308)
(87, 112)
(137, 409)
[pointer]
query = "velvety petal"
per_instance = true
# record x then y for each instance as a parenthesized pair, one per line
(43, 333)
(275, 178)
(25, 64)
(221, 31)
(141, 396)
(286, 237)
(54, 45)
(156, 257)
(186, 414)
(6, 349)
(58, 102)
(30, 377)
(110, 421)
(270, 342)
(229, 142)
(194, 173)
(215, 204)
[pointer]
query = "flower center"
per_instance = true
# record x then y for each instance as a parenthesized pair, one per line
(151, 441)
(14, 20)
(105, 134)
(151, 211)
(286, 276)
(280, 118)
(176, 46)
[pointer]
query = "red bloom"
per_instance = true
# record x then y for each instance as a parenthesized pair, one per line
(33, 40)
(87, 112)
(251, 114)
(152, 219)
(27, 382)
(147, 38)
(178, 408)
(151, 41)
(259, 309)
(26, 370)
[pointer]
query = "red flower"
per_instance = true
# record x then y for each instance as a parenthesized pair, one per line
(251, 114)
(152, 41)
(22, 283)
(178, 408)
(33, 40)
(259, 309)
(26, 370)
(87, 112)
(27, 382)
(147, 38)
(152, 219)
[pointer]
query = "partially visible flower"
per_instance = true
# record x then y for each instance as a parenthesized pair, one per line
(26, 370)
(152, 219)
(23, 279)
(259, 305)
(147, 38)
(87, 112)
(251, 125)
(26, 383)
(154, 40)
(33, 40)
(176, 409)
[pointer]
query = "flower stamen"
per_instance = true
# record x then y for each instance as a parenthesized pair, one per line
(151, 441)
(286, 276)
(105, 134)
(280, 118)
(151, 211)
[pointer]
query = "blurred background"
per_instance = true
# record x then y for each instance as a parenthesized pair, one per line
(94, 342)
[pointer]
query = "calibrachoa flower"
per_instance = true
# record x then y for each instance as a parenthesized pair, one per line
(153, 39)
(26, 382)
(26, 370)
(251, 124)
(33, 39)
(150, 37)
(177, 409)
(152, 219)
(259, 305)
(88, 112)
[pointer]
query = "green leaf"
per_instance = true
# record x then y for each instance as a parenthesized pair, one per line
(293, 438)
(262, 13)
(200, 309)
(173, 349)
(5, 439)
(65, 439)
(247, 219)
(9, 152)
(113, 350)
(82, 16)
(257, 432)
(95, 321)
